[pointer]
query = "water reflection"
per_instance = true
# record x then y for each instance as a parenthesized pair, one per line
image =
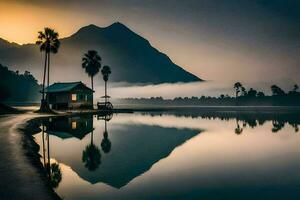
(91, 156)
(238, 130)
(71, 126)
(250, 119)
(162, 155)
(55, 175)
(53, 169)
(105, 143)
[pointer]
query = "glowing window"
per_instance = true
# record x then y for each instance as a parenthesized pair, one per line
(74, 125)
(74, 97)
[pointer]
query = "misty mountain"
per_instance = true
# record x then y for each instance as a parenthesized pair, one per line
(4, 44)
(131, 57)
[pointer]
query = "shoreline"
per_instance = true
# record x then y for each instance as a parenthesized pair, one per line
(158, 108)
(31, 149)
(22, 173)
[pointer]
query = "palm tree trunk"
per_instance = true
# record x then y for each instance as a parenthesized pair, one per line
(105, 91)
(236, 98)
(92, 82)
(45, 66)
(48, 80)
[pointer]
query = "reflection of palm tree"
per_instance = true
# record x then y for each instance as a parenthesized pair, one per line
(43, 142)
(238, 130)
(55, 175)
(105, 144)
(46, 164)
(53, 170)
(295, 126)
(91, 156)
(48, 148)
(277, 126)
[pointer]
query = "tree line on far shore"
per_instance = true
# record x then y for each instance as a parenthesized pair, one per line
(243, 97)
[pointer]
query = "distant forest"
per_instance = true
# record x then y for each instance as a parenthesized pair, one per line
(243, 97)
(16, 87)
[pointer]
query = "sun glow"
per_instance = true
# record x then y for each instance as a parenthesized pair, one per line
(22, 22)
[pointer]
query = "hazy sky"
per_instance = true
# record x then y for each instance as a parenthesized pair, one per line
(228, 40)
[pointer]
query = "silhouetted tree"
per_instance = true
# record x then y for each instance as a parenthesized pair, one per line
(237, 86)
(296, 87)
(277, 91)
(243, 90)
(91, 62)
(106, 71)
(260, 94)
(49, 43)
(252, 93)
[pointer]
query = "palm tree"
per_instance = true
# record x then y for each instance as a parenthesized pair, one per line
(49, 43)
(237, 86)
(106, 71)
(91, 62)
(296, 87)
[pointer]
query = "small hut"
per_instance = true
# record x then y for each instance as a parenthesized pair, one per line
(69, 95)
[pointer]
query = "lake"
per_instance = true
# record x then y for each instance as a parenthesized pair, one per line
(169, 155)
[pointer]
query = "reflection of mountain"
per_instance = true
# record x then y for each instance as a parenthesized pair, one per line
(67, 127)
(135, 148)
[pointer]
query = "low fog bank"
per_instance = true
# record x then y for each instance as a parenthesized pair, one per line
(169, 91)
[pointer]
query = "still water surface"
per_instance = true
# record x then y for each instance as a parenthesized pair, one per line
(173, 156)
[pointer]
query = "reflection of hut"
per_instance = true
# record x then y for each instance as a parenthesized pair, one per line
(66, 127)
(69, 95)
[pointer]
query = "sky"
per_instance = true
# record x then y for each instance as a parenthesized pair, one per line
(254, 41)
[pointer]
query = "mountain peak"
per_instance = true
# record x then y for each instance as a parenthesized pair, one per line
(93, 27)
(117, 25)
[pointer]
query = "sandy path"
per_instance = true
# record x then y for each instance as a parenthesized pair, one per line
(19, 179)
